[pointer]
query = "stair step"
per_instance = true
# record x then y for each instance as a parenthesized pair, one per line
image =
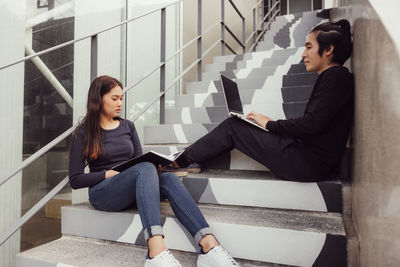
(238, 74)
(297, 68)
(299, 79)
(263, 189)
(175, 133)
(69, 251)
(294, 109)
(297, 93)
(248, 233)
(215, 85)
(196, 115)
(215, 114)
(210, 99)
(276, 57)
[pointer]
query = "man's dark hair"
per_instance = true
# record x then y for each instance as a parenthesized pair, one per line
(336, 34)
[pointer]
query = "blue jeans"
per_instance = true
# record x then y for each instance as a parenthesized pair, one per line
(141, 186)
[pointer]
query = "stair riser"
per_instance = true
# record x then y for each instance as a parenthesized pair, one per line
(320, 197)
(296, 94)
(299, 79)
(216, 86)
(210, 99)
(278, 56)
(262, 243)
(196, 115)
(176, 133)
(294, 110)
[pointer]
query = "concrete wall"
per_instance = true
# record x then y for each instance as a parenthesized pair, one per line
(12, 30)
(376, 136)
(212, 14)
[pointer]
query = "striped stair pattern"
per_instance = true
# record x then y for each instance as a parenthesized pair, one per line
(276, 236)
(292, 32)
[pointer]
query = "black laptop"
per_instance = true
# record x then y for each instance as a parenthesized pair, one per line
(233, 102)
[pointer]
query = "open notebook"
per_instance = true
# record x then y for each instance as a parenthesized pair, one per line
(154, 157)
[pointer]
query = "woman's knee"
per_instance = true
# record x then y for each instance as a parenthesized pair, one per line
(169, 179)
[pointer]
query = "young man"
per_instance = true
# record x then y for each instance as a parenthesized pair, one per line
(308, 148)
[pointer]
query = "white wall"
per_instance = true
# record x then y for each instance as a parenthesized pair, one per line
(12, 32)
(144, 55)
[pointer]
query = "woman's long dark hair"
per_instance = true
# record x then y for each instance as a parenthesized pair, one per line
(337, 34)
(91, 122)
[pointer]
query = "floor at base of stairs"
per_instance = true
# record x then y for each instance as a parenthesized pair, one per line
(78, 251)
(39, 230)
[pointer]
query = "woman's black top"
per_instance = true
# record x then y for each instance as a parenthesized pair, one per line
(322, 133)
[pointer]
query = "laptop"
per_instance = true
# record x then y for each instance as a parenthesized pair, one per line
(233, 102)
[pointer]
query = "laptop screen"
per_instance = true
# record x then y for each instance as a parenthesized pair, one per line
(232, 96)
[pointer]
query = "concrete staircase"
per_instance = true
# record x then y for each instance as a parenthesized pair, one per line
(260, 219)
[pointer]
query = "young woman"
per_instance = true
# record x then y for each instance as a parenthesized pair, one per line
(308, 148)
(103, 139)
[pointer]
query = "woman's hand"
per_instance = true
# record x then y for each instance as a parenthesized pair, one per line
(111, 173)
(259, 118)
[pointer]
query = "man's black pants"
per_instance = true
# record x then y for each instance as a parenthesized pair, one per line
(262, 146)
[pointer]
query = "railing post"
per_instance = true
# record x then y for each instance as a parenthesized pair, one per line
(222, 27)
(262, 15)
(199, 40)
(244, 34)
(93, 57)
(269, 9)
(254, 26)
(162, 69)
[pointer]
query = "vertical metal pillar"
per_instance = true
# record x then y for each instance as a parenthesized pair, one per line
(199, 40)
(312, 5)
(287, 7)
(254, 27)
(124, 60)
(262, 16)
(269, 9)
(162, 69)
(93, 57)
(244, 34)
(222, 27)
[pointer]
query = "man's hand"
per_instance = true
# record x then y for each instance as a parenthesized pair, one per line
(259, 118)
(111, 173)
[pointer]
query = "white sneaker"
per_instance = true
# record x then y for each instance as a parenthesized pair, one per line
(216, 257)
(163, 259)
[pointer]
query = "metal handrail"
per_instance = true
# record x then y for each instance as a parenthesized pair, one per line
(83, 38)
(262, 33)
(253, 34)
(171, 57)
(233, 35)
(268, 13)
(236, 9)
(22, 220)
(143, 110)
(251, 9)
(229, 47)
(38, 153)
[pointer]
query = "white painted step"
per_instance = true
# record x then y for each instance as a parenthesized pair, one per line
(277, 236)
(72, 251)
